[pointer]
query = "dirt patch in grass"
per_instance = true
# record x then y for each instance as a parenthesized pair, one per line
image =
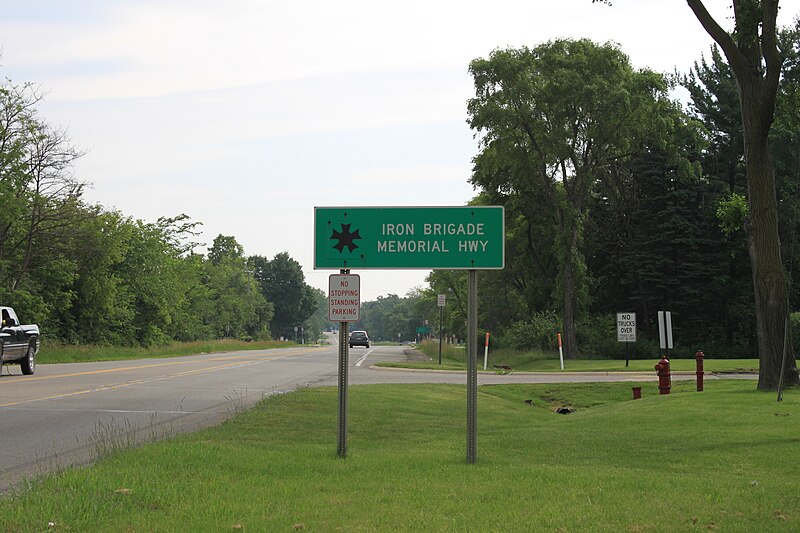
(416, 356)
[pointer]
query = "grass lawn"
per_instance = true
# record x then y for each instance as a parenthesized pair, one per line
(454, 358)
(78, 353)
(721, 460)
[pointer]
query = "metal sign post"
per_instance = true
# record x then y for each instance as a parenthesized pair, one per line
(472, 368)
(344, 304)
(341, 448)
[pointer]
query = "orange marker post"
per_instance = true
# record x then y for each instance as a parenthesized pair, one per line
(486, 352)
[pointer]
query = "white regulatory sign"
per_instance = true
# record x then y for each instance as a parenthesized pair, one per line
(626, 327)
(344, 298)
(441, 300)
(665, 330)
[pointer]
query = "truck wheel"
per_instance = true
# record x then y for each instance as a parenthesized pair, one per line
(28, 364)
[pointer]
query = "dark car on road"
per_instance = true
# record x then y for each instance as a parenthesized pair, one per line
(359, 338)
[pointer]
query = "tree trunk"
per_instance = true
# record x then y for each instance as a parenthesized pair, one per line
(756, 63)
(769, 281)
(569, 280)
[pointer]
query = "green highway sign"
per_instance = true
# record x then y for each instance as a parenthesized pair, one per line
(461, 238)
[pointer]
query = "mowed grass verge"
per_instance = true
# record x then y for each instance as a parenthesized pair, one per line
(721, 460)
(78, 353)
(454, 358)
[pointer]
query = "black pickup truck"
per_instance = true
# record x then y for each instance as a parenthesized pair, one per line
(19, 344)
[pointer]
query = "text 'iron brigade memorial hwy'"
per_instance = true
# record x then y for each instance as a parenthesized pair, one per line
(409, 237)
(393, 246)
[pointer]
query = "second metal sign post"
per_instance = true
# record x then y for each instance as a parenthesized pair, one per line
(344, 306)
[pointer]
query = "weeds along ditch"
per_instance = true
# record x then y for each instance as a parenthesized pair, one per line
(723, 459)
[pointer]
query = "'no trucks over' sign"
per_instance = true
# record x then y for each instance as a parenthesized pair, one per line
(626, 327)
(465, 238)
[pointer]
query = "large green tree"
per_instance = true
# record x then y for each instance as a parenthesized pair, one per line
(102, 310)
(753, 52)
(282, 282)
(239, 309)
(785, 145)
(453, 285)
(660, 250)
(392, 318)
(715, 101)
(552, 122)
(318, 321)
(152, 285)
(40, 202)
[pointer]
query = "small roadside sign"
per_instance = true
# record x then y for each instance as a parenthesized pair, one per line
(344, 298)
(441, 300)
(665, 330)
(626, 327)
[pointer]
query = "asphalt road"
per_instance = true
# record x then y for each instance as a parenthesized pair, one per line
(65, 414)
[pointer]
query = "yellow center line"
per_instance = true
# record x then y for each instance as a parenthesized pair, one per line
(264, 357)
(253, 358)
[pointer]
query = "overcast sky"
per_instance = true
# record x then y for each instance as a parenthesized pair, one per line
(245, 114)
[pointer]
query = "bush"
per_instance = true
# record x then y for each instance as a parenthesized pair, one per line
(539, 333)
(742, 348)
(597, 338)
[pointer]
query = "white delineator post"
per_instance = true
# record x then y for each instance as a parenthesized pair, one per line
(486, 351)
(560, 352)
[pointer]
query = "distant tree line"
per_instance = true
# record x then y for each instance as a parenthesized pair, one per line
(87, 274)
(392, 318)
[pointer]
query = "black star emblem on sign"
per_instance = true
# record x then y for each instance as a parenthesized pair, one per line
(345, 238)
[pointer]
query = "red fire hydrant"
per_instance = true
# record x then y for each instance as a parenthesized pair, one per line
(664, 376)
(699, 357)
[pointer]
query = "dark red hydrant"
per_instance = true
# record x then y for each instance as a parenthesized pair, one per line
(699, 357)
(664, 376)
